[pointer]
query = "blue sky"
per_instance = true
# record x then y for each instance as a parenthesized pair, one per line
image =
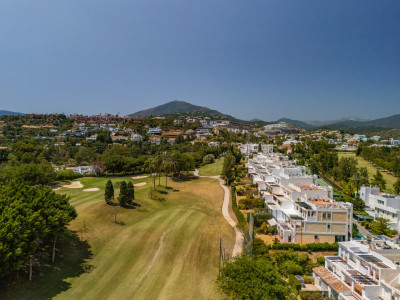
(306, 60)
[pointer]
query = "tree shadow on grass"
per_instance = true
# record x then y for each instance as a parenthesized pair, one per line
(132, 205)
(49, 280)
(184, 178)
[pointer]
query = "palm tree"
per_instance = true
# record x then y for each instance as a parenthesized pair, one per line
(357, 178)
(151, 164)
(159, 164)
(166, 163)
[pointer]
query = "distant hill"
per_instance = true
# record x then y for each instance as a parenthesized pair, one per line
(328, 122)
(392, 122)
(388, 122)
(172, 108)
(297, 123)
(10, 113)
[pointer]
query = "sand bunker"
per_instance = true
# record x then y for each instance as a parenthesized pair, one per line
(139, 177)
(140, 184)
(74, 185)
(91, 190)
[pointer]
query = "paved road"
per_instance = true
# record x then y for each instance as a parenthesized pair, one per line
(362, 230)
(238, 247)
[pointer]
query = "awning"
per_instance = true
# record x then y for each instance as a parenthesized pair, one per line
(272, 222)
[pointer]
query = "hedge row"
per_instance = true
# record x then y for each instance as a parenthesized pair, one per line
(305, 247)
(236, 210)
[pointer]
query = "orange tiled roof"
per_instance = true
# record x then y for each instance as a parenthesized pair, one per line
(331, 280)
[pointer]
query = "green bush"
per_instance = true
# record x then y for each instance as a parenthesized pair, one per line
(67, 175)
(294, 282)
(236, 210)
(308, 279)
(321, 261)
(290, 267)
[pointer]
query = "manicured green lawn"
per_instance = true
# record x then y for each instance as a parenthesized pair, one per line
(390, 179)
(213, 169)
(166, 249)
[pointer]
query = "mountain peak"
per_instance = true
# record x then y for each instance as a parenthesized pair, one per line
(173, 107)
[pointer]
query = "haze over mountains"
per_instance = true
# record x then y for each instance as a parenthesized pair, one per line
(182, 107)
(10, 113)
(175, 107)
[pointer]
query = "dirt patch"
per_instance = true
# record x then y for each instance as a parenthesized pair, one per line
(268, 239)
(91, 190)
(74, 185)
(140, 177)
(315, 255)
(140, 184)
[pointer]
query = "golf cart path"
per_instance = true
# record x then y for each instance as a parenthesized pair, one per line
(238, 247)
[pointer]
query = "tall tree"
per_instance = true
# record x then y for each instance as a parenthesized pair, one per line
(30, 216)
(347, 167)
(131, 192)
(356, 179)
(109, 192)
(252, 278)
(381, 226)
(151, 165)
(166, 165)
(379, 181)
(396, 187)
(123, 194)
(228, 169)
(364, 175)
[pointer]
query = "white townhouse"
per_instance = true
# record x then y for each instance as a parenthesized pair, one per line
(303, 211)
(363, 270)
(381, 205)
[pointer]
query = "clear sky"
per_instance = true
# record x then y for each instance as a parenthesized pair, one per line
(306, 60)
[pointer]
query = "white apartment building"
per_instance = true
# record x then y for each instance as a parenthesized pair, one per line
(303, 211)
(364, 270)
(154, 131)
(382, 205)
(136, 137)
(248, 148)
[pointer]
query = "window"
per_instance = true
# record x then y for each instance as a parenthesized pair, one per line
(323, 215)
(328, 215)
(316, 237)
(328, 227)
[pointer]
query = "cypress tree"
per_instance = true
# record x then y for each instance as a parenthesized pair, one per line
(131, 192)
(123, 197)
(109, 192)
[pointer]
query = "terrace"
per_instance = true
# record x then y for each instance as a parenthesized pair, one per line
(373, 260)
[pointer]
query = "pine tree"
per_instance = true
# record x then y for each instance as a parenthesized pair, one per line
(396, 187)
(228, 170)
(131, 192)
(109, 192)
(379, 181)
(123, 194)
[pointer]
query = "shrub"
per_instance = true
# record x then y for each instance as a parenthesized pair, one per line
(208, 159)
(67, 175)
(261, 217)
(308, 279)
(294, 283)
(236, 210)
(321, 261)
(290, 267)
